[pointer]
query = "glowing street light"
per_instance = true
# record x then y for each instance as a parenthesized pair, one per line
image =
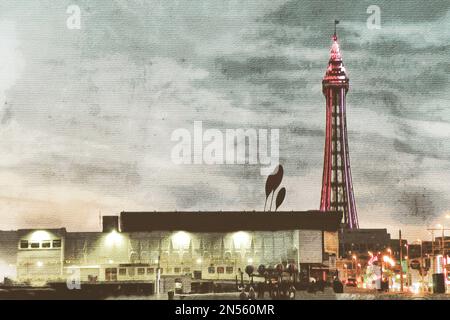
(39, 264)
(39, 235)
(114, 239)
(389, 260)
(181, 240)
(241, 240)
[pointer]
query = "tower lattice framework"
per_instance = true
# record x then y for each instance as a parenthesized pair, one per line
(337, 187)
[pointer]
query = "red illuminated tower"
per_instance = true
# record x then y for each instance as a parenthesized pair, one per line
(337, 187)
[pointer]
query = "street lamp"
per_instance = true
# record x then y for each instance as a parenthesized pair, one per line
(346, 271)
(421, 264)
(440, 226)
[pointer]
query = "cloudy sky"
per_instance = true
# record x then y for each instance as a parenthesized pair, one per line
(86, 115)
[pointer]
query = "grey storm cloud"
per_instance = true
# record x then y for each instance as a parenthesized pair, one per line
(87, 114)
(320, 12)
(259, 66)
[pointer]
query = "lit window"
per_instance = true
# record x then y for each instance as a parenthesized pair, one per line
(24, 244)
(220, 270)
(46, 244)
(34, 245)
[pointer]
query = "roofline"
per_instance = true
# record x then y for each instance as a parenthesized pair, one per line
(229, 221)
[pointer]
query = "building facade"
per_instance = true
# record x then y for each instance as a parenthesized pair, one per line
(143, 246)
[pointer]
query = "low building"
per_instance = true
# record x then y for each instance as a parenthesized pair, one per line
(215, 246)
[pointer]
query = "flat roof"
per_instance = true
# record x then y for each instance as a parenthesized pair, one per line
(229, 221)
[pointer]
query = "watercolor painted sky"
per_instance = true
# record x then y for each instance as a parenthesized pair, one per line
(87, 114)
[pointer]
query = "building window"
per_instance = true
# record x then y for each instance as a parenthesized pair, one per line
(140, 271)
(220, 269)
(186, 270)
(24, 244)
(168, 270)
(111, 274)
(131, 272)
(150, 270)
(57, 243)
(229, 270)
(46, 244)
(211, 269)
(122, 272)
(177, 270)
(34, 245)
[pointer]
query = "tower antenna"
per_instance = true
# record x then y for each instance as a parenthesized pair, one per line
(336, 22)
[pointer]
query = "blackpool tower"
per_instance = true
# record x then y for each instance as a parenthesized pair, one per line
(337, 188)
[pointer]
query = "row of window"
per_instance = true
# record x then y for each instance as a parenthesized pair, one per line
(228, 270)
(44, 244)
(142, 271)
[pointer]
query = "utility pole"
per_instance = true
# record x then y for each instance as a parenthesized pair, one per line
(422, 265)
(440, 247)
(408, 276)
(432, 251)
(401, 260)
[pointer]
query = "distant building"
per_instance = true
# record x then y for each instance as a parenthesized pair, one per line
(430, 248)
(362, 241)
(395, 248)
